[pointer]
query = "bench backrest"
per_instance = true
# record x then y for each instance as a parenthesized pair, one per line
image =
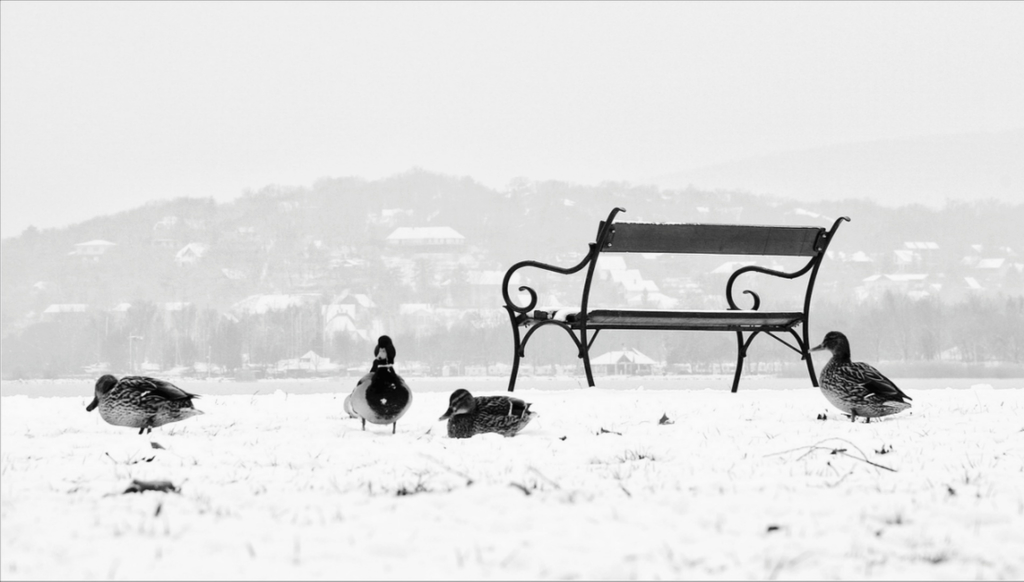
(712, 239)
(716, 239)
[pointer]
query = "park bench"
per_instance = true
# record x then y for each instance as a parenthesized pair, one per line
(584, 324)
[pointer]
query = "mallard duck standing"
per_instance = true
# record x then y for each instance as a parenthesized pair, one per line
(856, 388)
(366, 378)
(470, 415)
(381, 396)
(141, 402)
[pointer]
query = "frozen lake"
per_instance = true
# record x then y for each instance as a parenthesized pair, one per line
(279, 484)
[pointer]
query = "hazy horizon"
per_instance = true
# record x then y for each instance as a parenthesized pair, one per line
(106, 106)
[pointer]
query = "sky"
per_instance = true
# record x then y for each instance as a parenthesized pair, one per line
(106, 106)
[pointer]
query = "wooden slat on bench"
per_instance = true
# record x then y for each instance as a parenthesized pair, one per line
(714, 239)
(690, 320)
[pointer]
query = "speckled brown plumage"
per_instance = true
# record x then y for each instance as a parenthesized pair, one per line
(141, 402)
(856, 388)
(468, 415)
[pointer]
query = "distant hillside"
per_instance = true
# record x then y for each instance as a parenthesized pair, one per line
(180, 276)
(926, 170)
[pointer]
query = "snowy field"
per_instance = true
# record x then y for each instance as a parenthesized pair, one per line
(280, 485)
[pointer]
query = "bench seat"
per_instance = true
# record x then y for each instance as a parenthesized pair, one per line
(652, 319)
(722, 320)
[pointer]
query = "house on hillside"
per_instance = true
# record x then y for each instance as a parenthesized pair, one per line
(915, 255)
(638, 291)
(65, 312)
(809, 214)
(1000, 273)
(308, 364)
(608, 264)
(190, 254)
(91, 251)
(425, 236)
(166, 233)
(166, 223)
(913, 285)
(351, 314)
(233, 274)
(338, 322)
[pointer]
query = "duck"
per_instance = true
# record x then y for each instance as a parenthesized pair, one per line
(857, 388)
(381, 396)
(366, 378)
(470, 415)
(141, 402)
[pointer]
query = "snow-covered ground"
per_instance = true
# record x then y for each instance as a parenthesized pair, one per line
(747, 485)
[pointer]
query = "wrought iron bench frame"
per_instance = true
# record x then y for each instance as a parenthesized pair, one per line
(811, 242)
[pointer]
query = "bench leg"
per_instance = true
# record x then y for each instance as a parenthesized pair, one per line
(741, 353)
(810, 370)
(807, 358)
(516, 351)
(515, 372)
(585, 354)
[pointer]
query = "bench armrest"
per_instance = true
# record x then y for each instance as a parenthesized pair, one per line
(765, 271)
(544, 266)
(811, 266)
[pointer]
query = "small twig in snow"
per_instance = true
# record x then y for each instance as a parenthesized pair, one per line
(138, 486)
(835, 451)
(522, 488)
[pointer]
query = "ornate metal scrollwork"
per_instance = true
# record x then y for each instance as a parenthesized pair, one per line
(510, 304)
(820, 246)
(756, 269)
(591, 256)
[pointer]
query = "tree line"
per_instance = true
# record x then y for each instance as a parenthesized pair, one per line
(893, 328)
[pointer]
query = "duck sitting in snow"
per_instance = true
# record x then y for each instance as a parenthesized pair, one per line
(141, 402)
(857, 388)
(381, 396)
(468, 415)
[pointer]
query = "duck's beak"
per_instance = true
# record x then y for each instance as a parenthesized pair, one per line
(95, 402)
(447, 413)
(818, 347)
